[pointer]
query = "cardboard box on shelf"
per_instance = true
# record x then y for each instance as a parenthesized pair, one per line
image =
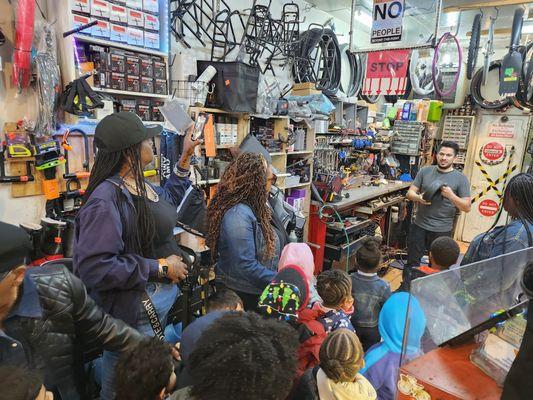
(160, 71)
(304, 89)
(147, 67)
(80, 6)
(129, 105)
(133, 83)
(118, 61)
(133, 65)
(118, 81)
(135, 18)
(135, 37)
(151, 6)
(102, 29)
(136, 4)
(143, 109)
(151, 22)
(100, 9)
(151, 40)
(147, 85)
(79, 20)
(119, 33)
(160, 86)
(118, 13)
(155, 113)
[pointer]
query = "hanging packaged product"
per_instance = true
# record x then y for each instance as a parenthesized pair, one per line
(143, 109)
(151, 6)
(135, 18)
(100, 9)
(118, 33)
(155, 111)
(101, 29)
(135, 37)
(129, 105)
(151, 22)
(136, 4)
(151, 40)
(80, 6)
(160, 86)
(435, 110)
(80, 20)
(118, 14)
(118, 81)
(118, 61)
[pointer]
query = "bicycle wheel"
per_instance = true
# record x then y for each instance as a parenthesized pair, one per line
(473, 47)
(448, 44)
(477, 96)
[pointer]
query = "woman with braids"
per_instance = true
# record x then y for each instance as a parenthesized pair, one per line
(515, 235)
(124, 248)
(243, 241)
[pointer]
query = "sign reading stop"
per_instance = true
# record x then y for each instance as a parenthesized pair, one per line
(488, 208)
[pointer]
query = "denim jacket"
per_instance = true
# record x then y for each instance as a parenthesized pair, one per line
(370, 293)
(240, 247)
(513, 238)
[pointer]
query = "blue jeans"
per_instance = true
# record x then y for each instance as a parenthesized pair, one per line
(163, 296)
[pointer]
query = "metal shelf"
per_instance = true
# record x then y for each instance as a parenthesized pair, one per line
(298, 185)
(104, 42)
(126, 93)
(299, 152)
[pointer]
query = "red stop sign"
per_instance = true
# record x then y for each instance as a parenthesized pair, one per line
(488, 208)
(493, 151)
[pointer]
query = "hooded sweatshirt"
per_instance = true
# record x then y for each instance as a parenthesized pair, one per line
(382, 360)
(300, 254)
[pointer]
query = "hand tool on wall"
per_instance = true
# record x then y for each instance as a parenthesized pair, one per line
(11, 179)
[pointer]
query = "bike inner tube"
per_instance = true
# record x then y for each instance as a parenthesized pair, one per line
(473, 47)
(358, 75)
(451, 89)
(475, 90)
(433, 190)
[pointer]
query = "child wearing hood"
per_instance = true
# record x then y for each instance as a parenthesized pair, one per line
(337, 377)
(300, 254)
(382, 360)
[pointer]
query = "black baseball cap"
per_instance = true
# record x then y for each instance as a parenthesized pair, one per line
(15, 248)
(121, 130)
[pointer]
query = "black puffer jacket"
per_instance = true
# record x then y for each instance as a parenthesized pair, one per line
(71, 324)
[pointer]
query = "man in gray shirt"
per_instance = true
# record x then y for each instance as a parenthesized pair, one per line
(435, 218)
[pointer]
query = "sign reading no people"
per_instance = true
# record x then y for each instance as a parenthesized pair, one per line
(387, 18)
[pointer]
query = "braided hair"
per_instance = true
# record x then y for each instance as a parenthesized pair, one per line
(245, 357)
(139, 237)
(333, 286)
(244, 181)
(341, 355)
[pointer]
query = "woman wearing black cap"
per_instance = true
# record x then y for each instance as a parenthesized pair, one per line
(124, 248)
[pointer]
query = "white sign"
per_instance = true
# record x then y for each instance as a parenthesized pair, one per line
(387, 19)
(502, 130)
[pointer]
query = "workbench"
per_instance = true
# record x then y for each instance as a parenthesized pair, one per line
(324, 240)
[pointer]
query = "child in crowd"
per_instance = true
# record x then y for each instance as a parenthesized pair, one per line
(337, 377)
(383, 360)
(22, 384)
(335, 289)
(242, 356)
(145, 372)
(369, 291)
(300, 254)
(443, 253)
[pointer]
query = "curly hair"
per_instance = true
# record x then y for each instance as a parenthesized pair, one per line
(333, 286)
(245, 357)
(243, 181)
(143, 372)
(368, 256)
(341, 355)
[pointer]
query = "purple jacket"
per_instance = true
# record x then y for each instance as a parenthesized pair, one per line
(383, 375)
(115, 275)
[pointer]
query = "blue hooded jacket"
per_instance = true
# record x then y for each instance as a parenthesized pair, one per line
(382, 360)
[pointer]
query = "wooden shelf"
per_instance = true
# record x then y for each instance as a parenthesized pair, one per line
(126, 93)
(298, 185)
(83, 120)
(104, 42)
(212, 110)
(279, 153)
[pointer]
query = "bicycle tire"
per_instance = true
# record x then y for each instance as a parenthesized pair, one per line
(473, 47)
(358, 77)
(475, 90)
(452, 88)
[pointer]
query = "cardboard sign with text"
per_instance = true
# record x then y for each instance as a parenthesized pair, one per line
(386, 72)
